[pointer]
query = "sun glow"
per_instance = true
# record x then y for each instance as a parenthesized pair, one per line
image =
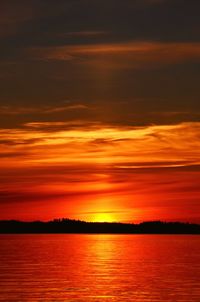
(103, 217)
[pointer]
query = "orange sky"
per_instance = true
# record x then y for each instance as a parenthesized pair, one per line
(99, 110)
(100, 172)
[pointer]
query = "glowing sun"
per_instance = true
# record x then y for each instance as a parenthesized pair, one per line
(103, 217)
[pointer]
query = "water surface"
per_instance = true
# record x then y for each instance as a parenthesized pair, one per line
(93, 268)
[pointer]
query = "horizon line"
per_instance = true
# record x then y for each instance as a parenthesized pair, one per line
(100, 222)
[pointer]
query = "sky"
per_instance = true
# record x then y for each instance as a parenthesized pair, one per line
(100, 110)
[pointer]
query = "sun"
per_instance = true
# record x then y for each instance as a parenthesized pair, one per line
(103, 217)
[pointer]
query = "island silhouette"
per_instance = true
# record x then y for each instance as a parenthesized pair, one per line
(65, 225)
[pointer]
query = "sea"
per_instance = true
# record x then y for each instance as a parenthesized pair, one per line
(98, 267)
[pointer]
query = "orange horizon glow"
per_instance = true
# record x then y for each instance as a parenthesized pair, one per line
(101, 172)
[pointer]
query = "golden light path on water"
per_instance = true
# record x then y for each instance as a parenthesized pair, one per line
(74, 267)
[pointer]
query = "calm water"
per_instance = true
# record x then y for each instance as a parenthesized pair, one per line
(99, 268)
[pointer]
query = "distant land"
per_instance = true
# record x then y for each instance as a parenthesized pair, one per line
(66, 225)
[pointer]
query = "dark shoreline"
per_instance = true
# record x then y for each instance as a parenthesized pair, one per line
(67, 226)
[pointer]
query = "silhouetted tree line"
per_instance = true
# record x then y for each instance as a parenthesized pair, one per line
(76, 226)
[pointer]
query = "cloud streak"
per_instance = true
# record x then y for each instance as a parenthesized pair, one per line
(17, 110)
(122, 54)
(106, 144)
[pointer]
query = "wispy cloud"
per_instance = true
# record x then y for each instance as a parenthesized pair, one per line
(165, 145)
(20, 110)
(66, 108)
(122, 54)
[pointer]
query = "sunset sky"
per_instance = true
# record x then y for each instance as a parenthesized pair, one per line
(100, 110)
